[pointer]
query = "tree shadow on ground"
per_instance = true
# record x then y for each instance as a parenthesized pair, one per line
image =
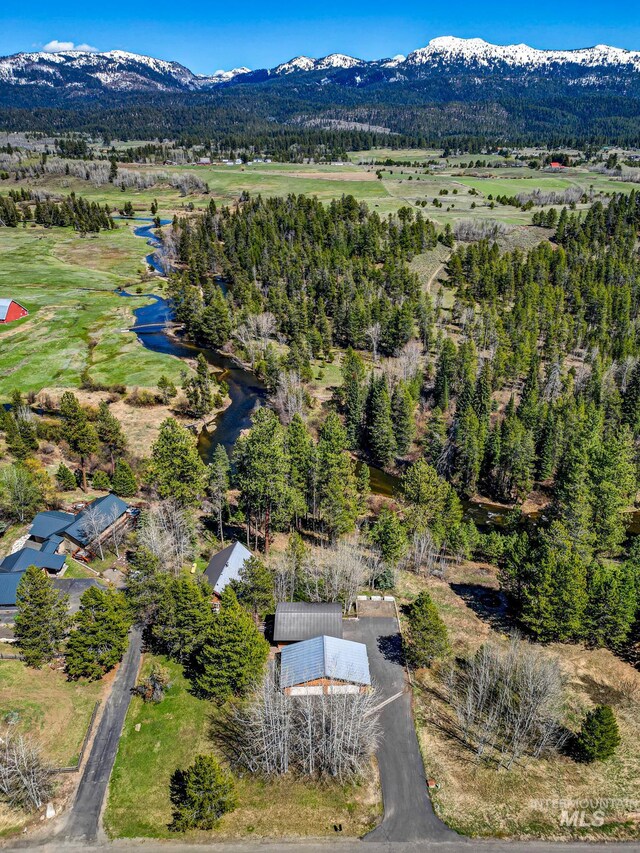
(391, 648)
(490, 605)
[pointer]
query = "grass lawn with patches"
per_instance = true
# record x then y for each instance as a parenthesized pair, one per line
(477, 799)
(75, 319)
(171, 734)
(55, 711)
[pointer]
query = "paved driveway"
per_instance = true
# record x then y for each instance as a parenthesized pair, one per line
(84, 819)
(408, 813)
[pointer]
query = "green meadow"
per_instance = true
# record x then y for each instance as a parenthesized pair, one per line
(75, 321)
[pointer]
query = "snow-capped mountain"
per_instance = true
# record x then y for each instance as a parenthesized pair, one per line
(444, 59)
(448, 50)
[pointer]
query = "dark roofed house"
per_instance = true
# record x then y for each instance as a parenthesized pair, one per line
(225, 566)
(324, 665)
(112, 510)
(302, 620)
(8, 588)
(25, 557)
(48, 523)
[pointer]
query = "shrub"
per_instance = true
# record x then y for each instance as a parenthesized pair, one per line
(426, 635)
(101, 481)
(66, 478)
(201, 794)
(599, 736)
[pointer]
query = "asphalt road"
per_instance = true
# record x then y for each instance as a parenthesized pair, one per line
(84, 818)
(408, 813)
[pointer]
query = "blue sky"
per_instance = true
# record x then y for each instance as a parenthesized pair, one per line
(206, 36)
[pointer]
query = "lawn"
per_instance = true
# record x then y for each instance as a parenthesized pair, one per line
(476, 799)
(75, 319)
(55, 711)
(170, 734)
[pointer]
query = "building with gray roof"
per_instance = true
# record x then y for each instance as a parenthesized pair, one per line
(225, 566)
(324, 665)
(302, 620)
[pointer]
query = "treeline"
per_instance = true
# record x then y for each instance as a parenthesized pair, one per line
(73, 211)
(270, 117)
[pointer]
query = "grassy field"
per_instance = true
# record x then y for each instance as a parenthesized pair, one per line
(75, 319)
(476, 799)
(400, 185)
(55, 711)
(170, 734)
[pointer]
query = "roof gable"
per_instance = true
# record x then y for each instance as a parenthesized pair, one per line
(25, 557)
(225, 566)
(52, 521)
(324, 657)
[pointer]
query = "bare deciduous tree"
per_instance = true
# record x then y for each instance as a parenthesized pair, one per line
(373, 334)
(26, 780)
(507, 702)
(92, 526)
(166, 531)
(318, 736)
(289, 396)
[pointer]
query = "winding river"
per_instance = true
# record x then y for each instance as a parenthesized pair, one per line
(247, 392)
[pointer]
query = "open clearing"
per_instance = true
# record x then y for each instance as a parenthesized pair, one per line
(477, 800)
(171, 734)
(55, 711)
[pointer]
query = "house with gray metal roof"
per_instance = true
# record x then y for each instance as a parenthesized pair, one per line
(324, 665)
(225, 566)
(302, 620)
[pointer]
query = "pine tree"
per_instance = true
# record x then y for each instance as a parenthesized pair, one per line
(100, 481)
(445, 373)
(612, 603)
(353, 396)
(183, 617)
(166, 389)
(176, 469)
(379, 437)
(389, 537)
(65, 478)
(99, 638)
(426, 637)
(42, 620)
(233, 655)
(201, 795)
(124, 481)
(254, 589)
(402, 414)
(78, 432)
(599, 736)
(214, 327)
(435, 437)
(555, 599)
(110, 433)
(261, 471)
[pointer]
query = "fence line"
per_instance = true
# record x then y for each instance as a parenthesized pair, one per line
(75, 767)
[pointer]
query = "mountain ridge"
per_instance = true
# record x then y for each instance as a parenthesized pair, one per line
(118, 70)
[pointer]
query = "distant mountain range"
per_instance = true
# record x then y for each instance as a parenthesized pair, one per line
(471, 61)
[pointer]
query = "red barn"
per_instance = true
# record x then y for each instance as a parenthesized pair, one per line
(11, 310)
